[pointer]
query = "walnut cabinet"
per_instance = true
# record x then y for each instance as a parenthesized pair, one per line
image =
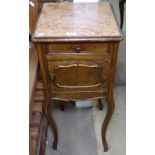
(77, 46)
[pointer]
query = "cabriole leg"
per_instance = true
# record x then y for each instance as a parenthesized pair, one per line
(110, 110)
(51, 122)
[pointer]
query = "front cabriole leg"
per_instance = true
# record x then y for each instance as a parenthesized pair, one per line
(110, 110)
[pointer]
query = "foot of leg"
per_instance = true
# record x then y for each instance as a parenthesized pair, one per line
(100, 105)
(62, 105)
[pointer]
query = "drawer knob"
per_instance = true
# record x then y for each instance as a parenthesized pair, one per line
(77, 49)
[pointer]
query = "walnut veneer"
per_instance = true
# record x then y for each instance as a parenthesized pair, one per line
(77, 47)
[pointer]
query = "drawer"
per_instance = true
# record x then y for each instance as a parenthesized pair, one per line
(78, 48)
(79, 75)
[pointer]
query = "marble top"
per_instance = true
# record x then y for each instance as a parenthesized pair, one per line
(77, 20)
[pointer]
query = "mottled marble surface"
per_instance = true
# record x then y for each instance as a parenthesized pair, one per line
(60, 20)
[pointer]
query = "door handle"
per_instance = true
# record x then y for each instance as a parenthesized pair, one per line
(52, 77)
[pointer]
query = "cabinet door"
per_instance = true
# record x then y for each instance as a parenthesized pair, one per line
(79, 75)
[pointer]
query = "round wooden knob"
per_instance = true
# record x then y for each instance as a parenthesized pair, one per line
(77, 49)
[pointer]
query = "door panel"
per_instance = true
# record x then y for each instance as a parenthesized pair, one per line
(79, 75)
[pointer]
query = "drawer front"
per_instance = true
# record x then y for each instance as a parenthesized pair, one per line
(78, 48)
(79, 75)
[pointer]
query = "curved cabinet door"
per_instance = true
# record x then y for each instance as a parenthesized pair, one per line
(79, 75)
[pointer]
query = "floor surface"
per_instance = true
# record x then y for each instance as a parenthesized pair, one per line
(76, 132)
